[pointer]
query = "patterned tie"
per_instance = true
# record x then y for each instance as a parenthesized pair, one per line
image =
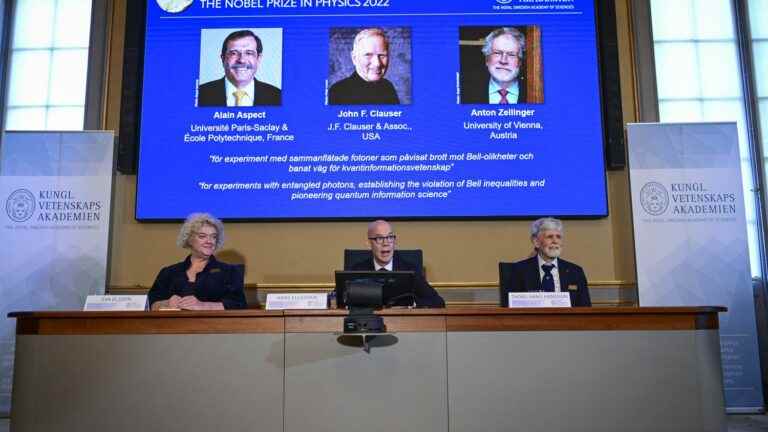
(239, 97)
(503, 93)
(548, 282)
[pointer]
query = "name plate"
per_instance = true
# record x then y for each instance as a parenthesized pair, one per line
(297, 301)
(115, 303)
(539, 299)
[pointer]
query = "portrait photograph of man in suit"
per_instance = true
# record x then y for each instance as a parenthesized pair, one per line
(500, 65)
(251, 60)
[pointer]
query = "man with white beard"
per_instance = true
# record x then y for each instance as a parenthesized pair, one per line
(546, 271)
(504, 52)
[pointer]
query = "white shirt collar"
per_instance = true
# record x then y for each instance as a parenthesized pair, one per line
(555, 271)
(378, 267)
(230, 89)
(542, 261)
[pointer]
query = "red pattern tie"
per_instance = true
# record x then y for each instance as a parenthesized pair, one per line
(503, 93)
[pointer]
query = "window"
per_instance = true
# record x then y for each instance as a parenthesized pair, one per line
(758, 23)
(698, 78)
(48, 65)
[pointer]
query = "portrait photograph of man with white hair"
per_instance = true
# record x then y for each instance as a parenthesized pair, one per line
(369, 66)
(500, 65)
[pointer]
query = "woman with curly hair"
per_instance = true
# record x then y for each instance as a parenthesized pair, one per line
(200, 282)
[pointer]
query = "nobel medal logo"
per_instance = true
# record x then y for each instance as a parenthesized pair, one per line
(654, 198)
(503, 1)
(20, 205)
(174, 6)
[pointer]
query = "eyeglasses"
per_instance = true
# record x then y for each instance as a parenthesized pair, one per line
(204, 236)
(383, 239)
(511, 56)
(370, 56)
(235, 53)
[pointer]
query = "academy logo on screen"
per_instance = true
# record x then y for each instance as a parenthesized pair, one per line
(654, 198)
(174, 6)
(503, 1)
(20, 205)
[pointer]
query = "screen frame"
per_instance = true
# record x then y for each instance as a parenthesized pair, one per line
(607, 64)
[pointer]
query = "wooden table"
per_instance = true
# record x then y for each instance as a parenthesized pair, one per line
(489, 369)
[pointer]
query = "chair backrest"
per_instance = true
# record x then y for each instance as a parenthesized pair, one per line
(251, 295)
(505, 282)
(354, 256)
(240, 270)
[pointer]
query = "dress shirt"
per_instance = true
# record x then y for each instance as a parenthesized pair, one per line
(555, 273)
(247, 98)
(387, 267)
(494, 96)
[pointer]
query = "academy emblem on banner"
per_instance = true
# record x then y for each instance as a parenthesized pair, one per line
(20, 205)
(654, 198)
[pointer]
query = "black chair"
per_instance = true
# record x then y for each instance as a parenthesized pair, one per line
(505, 282)
(251, 296)
(354, 256)
(240, 270)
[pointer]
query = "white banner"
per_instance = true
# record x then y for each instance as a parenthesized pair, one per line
(691, 238)
(55, 189)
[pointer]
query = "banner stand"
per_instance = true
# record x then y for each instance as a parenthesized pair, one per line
(56, 191)
(691, 238)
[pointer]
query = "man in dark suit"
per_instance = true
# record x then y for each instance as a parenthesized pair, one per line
(546, 271)
(504, 50)
(381, 239)
(241, 55)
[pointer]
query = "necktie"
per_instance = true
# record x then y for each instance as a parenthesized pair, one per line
(239, 96)
(503, 93)
(548, 282)
(383, 269)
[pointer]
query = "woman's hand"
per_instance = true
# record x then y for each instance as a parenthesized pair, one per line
(192, 303)
(171, 303)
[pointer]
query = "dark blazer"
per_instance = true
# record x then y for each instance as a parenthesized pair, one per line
(524, 276)
(475, 90)
(426, 296)
(213, 93)
(218, 282)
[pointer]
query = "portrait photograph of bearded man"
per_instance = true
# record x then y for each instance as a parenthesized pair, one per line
(500, 65)
(369, 66)
(250, 61)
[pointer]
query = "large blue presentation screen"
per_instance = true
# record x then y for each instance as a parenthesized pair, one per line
(333, 109)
